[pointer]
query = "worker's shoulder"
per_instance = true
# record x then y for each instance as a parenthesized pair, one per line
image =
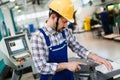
(67, 31)
(37, 33)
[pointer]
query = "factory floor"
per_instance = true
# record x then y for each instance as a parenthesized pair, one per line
(106, 48)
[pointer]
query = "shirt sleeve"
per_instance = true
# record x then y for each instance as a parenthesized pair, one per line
(75, 46)
(40, 56)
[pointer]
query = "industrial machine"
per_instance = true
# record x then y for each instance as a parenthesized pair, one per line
(17, 54)
(91, 71)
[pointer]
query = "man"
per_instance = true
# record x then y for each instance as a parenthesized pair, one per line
(49, 45)
(105, 21)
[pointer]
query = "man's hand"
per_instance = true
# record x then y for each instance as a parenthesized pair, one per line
(100, 60)
(72, 66)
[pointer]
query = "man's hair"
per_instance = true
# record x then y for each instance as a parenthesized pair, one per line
(53, 12)
(74, 17)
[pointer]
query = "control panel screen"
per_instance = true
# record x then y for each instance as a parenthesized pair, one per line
(16, 44)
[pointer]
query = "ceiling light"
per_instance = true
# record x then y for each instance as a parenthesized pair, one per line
(19, 11)
(16, 7)
(12, 0)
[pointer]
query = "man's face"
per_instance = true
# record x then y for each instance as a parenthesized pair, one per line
(62, 23)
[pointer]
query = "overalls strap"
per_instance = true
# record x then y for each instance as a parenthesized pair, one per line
(46, 37)
(63, 33)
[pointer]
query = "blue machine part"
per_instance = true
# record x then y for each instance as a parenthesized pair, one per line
(2, 66)
(13, 20)
(31, 27)
(3, 28)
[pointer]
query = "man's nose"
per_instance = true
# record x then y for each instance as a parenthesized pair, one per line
(66, 25)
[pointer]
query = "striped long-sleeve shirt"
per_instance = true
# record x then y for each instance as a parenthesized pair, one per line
(40, 50)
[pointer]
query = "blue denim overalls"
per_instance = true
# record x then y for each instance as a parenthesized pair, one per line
(57, 54)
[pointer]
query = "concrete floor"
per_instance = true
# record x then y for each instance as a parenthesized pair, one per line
(103, 47)
(106, 48)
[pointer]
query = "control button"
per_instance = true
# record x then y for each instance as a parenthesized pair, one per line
(18, 66)
(19, 60)
(21, 65)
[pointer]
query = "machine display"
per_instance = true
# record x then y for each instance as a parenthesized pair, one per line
(17, 45)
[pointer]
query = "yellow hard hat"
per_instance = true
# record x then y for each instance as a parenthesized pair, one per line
(63, 7)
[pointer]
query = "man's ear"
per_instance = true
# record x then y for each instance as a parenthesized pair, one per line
(53, 16)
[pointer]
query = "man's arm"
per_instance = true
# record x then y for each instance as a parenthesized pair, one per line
(82, 51)
(40, 55)
(100, 60)
(75, 46)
